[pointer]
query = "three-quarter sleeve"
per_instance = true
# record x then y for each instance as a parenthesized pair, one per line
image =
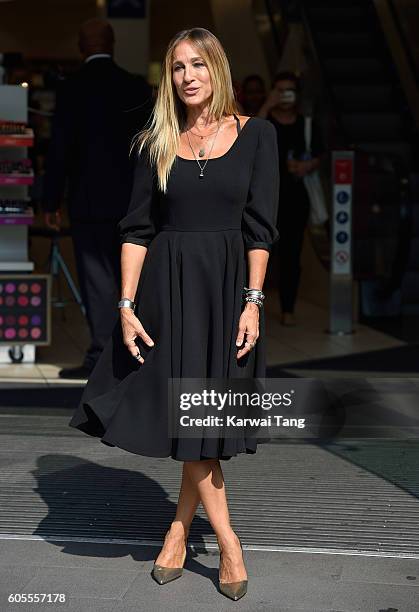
(139, 225)
(259, 221)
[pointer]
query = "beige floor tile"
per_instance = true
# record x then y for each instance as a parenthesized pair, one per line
(277, 353)
(20, 370)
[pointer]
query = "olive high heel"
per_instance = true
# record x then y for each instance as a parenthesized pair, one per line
(233, 590)
(163, 575)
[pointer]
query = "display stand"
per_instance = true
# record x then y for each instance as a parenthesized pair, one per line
(20, 309)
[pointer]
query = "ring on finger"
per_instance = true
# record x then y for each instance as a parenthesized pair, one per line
(137, 356)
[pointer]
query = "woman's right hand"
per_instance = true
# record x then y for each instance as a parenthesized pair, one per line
(131, 329)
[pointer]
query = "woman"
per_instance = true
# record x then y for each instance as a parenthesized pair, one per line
(205, 194)
(281, 109)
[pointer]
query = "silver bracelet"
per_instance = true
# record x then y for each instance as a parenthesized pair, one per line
(257, 292)
(253, 295)
(126, 303)
(254, 300)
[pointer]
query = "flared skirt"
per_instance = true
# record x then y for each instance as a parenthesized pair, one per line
(189, 301)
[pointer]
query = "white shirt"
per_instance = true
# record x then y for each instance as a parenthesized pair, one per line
(95, 55)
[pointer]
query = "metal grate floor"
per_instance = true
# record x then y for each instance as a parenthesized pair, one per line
(358, 496)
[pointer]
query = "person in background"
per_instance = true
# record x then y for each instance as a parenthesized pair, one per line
(98, 111)
(281, 109)
(253, 94)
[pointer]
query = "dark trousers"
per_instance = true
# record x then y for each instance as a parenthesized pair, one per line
(294, 210)
(97, 253)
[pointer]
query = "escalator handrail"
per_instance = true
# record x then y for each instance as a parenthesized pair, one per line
(276, 36)
(404, 41)
(398, 50)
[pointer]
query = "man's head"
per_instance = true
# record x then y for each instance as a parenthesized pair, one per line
(96, 36)
(287, 84)
(253, 92)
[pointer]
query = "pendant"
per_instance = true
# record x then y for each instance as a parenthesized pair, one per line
(201, 152)
(201, 174)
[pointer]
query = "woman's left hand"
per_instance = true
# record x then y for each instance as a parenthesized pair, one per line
(248, 328)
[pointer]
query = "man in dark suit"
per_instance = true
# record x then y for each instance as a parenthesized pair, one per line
(98, 111)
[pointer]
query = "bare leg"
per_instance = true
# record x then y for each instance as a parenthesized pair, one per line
(209, 481)
(173, 551)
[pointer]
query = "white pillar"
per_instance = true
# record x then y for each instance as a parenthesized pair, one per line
(131, 36)
(236, 29)
(132, 47)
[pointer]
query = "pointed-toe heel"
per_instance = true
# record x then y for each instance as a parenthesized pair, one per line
(163, 575)
(233, 590)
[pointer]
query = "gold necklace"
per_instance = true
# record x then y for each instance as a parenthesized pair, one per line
(202, 136)
(202, 168)
(201, 151)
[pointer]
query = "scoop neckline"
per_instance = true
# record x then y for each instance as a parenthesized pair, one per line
(228, 150)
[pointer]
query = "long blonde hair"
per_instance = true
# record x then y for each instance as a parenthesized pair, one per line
(162, 132)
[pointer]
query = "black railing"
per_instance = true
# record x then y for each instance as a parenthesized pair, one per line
(404, 40)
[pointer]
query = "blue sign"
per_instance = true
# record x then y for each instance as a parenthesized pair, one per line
(342, 217)
(342, 197)
(342, 237)
(126, 9)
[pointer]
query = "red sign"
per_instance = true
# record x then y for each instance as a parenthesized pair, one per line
(343, 171)
(342, 257)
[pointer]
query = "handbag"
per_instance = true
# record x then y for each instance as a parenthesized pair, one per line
(313, 184)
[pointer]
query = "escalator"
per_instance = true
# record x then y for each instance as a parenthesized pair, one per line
(361, 76)
(370, 80)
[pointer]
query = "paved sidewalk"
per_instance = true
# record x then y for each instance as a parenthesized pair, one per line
(116, 578)
(324, 528)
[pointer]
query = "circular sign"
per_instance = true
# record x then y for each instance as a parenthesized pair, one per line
(342, 217)
(342, 237)
(342, 197)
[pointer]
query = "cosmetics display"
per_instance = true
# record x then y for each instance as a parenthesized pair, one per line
(12, 128)
(20, 166)
(24, 297)
(16, 172)
(15, 212)
(14, 206)
(16, 176)
(24, 310)
(15, 134)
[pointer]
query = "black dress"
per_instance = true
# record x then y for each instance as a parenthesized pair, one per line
(189, 296)
(294, 208)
